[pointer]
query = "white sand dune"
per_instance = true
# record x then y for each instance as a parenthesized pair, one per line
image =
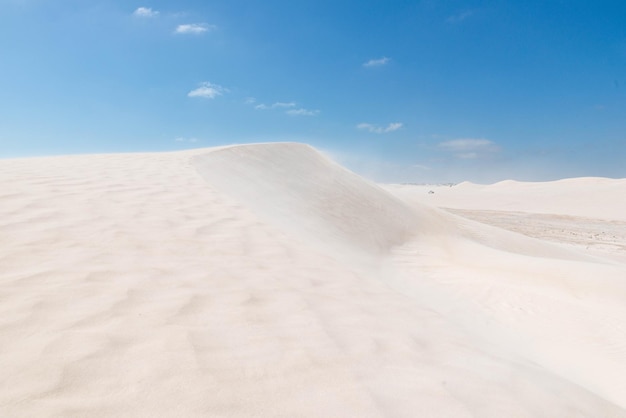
(590, 197)
(265, 280)
(294, 188)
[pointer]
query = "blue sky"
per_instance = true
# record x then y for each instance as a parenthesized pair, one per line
(415, 91)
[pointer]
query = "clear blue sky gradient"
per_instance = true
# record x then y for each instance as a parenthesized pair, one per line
(415, 91)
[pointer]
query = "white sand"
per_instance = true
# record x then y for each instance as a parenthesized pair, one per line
(590, 197)
(265, 280)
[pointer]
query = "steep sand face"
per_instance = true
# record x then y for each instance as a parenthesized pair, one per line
(295, 188)
(266, 280)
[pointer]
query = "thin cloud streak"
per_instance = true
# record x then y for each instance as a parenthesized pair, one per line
(379, 129)
(194, 28)
(290, 107)
(208, 91)
(377, 62)
(276, 105)
(458, 18)
(302, 112)
(145, 12)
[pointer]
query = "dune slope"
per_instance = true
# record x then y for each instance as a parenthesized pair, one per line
(294, 187)
(265, 280)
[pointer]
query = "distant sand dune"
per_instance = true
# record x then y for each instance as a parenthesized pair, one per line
(266, 280)
(589, 197)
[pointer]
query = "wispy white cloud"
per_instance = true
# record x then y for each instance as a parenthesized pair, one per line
(464, 144)
(194, 28)
(377, 62)
(458, 18)
(290, 108)
(145, 12)
(302, 112)
(469, 148)
(208, 90)
(276, 105)
(283, 104)
(379, 129)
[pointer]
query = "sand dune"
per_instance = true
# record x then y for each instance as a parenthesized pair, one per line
(265, 280)
(295, 188)
(589, 197)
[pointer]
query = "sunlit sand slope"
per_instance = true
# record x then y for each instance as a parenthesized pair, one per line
(294, 187)
(266, 280)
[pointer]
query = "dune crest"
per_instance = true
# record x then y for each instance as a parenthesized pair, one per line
(295, 187)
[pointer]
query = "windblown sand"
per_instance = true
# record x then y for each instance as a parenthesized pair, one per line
(267, 281)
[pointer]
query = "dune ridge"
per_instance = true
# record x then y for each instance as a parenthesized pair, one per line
(296, 188)
(266, 280)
